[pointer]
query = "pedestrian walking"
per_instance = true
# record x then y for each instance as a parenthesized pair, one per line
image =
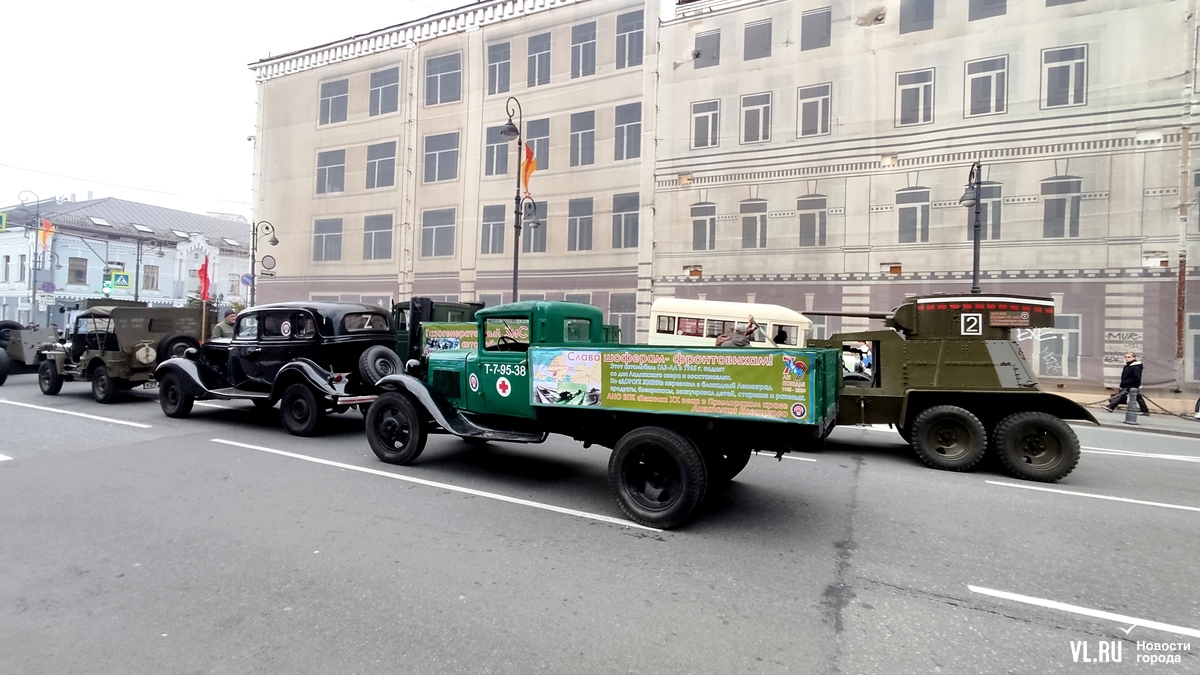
(1131, 378)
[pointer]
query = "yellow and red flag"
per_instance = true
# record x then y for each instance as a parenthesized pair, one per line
(44, 234)
(528, 166)
(204, 282)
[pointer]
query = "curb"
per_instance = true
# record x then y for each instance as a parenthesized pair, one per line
(1168, 431)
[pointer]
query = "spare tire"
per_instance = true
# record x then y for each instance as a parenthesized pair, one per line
(6, 329)
(377, 362)
(175, 344)
(3, 367)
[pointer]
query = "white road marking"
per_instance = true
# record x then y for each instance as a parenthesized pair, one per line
(771, 455)
(1093, 496)
(4, 458)
(1086, 611)
(76, 414)
(443, 486)
(1146, 455)
(202, 404)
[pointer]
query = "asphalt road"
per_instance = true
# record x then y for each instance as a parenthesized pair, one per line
(134, 543)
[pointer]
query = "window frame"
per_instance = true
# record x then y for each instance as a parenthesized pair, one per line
(583, 50)
(580, 224)
(825, 17)
(922, 212)
(440, 158)
(377, 238)
(753, 216)
(707, 49)
(493, 221)
(381, 165)
(998, 86)
(704, 226)
(384, 94)
(816, 206)
(495, 160)
(761, 112)
(327, 244)
(626, 220)
(713, 121)
(331, 172)
(627, 134)
(630, 55)
(334, 105)
(434, 234)
(1072, 202)
(925, 92)
(756, 40)
(437, 82)
(809, 95)
(583, 138)
(1078, 81)
(499, 69)
(539, 61)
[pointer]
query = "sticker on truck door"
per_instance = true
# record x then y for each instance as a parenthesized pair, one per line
(503, 387)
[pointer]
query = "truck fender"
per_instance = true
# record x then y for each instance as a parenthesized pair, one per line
(189, 375)
(312, 374)
(420, 394)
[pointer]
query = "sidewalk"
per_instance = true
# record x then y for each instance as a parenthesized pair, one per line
(1175, 420)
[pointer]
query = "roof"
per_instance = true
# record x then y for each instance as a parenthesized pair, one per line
(109, 217)
(324, 308)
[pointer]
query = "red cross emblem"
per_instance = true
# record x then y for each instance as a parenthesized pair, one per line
(503, 386)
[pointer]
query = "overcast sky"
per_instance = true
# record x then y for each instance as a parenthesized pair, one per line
(152, 101)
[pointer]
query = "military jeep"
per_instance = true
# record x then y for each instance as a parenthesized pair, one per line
(117, 348)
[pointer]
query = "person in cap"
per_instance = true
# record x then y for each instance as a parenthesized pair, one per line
(224, 329)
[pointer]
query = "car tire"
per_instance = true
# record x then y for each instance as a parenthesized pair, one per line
(174, 345)
(377, 362)
(395, 431)
(657, 476)
(3, 367)
(1036, 446)
(299, 410)
(949, 437)
(49, 381)
(6, 329)
(174, 400)
(104, 389)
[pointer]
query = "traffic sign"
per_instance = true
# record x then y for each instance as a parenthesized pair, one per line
(47, 286)
(247, 279)
(268, 262)
(120, 279)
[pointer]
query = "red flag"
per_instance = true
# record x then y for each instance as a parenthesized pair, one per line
(203, 273)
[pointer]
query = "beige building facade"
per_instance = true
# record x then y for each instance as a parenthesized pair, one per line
(809, 153)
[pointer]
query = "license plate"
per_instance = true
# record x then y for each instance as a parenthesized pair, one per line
(150, 385)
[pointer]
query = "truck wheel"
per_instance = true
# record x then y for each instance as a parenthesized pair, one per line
(377, 362)
(104, 390)
(394, 430)
(3, 366)
(49, 381)
(299, 410)
(1036, 446)
(175, 345)
(174, 400)
(723, 465)
(949, 437)
(657, 476)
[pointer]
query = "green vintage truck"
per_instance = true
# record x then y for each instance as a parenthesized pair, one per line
(680, 422)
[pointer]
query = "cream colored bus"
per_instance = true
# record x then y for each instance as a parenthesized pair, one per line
(683, 322)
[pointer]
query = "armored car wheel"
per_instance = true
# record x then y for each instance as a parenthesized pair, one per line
(949, 437)
(394, 429)
(104, 389)
(377, 362)
(174, 400)
(657, 476)
(1036, 446)
(6, 329)
(299, 410)
(3, 367)
(49, 381)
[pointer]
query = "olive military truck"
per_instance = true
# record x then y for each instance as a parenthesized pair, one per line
(680, 421)
(117, 348)
(947, 374)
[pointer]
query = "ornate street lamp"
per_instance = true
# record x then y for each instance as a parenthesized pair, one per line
(259, 230)
(971, 199)
(511, 131)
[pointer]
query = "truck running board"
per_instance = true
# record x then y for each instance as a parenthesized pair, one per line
(461, 425)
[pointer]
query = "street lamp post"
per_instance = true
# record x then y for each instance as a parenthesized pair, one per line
(971, 199)
(511, 131)
(137, 274)
(259, 230)
(33, 265)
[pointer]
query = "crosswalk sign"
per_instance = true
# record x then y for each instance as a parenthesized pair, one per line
(3, 221)
(120, 279)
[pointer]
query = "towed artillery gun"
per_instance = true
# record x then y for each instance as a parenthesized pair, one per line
(947, 374)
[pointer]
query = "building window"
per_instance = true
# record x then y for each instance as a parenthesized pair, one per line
(537, 136)
(912, 205)
(443, 79)
(491, 240)
(334, 99)
(581, 298)
(987, 86)
(579, 224)
(916, 15)
(813, 103)
(385, 91)
(914, 98)
(754, 223)
(533, 239)
(989, 213)
(628, 137)
(583, 50)
(1061, 197)
(757, 43)
(707, 52)
(625, 220)
(1058, 348)
(704, 226)
(499, 65)
(437, 233)
(705, 116)
(583, 138)
(813, 217)
(816, 28)
(235, 284)
(327, 239)
(7, 262)
(539, 60)
(377, 237)
(150, 277)
(756, 118)
(629, 39)
(1064, 76)
(984, 9)
(381, 165)
(495, 161)
(21, 269)
(622, 312)
(441, 157)
(331, 172)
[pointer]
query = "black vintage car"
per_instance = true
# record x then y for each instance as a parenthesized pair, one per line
(310, 357)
